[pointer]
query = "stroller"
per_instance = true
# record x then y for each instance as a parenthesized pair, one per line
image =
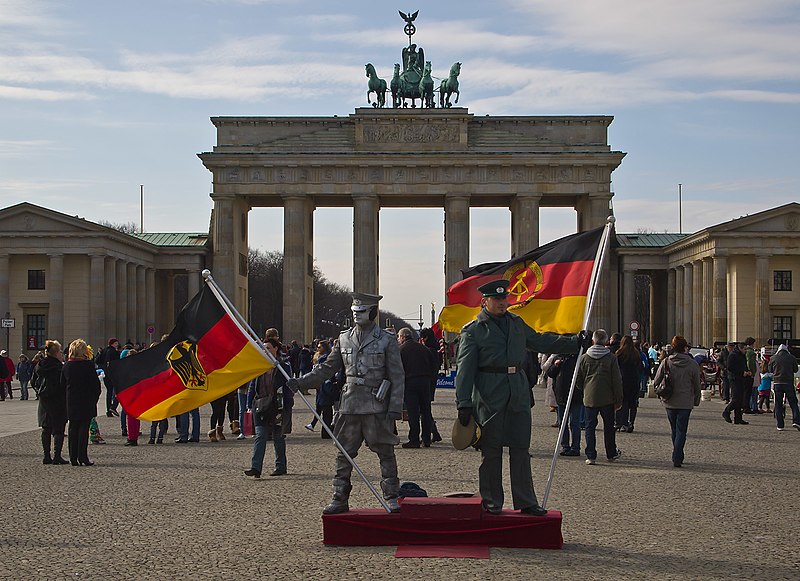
(711, 376)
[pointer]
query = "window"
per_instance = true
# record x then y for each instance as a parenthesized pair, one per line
(782, 327)
(36, 331)
(783, 280)
(35, 280)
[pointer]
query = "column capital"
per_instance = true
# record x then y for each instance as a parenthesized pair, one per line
(59, 254)
(456, 196)
(529, 196)
(359, 196)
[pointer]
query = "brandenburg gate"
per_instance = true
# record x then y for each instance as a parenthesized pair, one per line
(399, 157)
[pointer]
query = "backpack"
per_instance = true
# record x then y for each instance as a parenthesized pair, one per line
(665, 388)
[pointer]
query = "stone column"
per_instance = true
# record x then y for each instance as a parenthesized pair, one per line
(298, 268)
(193, 280)
(55, 289)
(658, 304)
(97, 299)
(598, 214)
(225, 259)
(525, 223)
(680, 326)
(170, 322)
(141, 304)
(720, 317)
(111, 298)
(150, 293)
(130, 328)
(122, 301)
(762, 319)
(708, 302)
(628, 298)
(671, 300)
(5, 292)
(456, 237)
(688, 302)
(697, 303)
(365, 243)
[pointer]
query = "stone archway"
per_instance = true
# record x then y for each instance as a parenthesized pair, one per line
(375, 158)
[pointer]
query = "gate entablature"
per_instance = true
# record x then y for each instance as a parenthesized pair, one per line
(398, 158)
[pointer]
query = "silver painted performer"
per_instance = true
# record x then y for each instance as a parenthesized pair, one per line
(371, 401)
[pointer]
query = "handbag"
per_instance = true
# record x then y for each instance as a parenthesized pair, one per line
(665, 388)
(261, 405)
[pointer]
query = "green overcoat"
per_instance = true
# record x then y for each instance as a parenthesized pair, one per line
(501, 401)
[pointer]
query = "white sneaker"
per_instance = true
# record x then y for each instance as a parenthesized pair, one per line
(590, 462)
(241, 437)
(796, 426)
(309, 427)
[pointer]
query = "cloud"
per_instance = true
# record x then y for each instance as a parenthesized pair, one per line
(11, 149)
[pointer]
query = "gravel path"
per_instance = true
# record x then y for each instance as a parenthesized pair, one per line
(187, 511)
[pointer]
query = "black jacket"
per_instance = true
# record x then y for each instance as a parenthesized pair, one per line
(52, 395)
(562, 380)
(82, 388)
(418, 360)
(736, 367)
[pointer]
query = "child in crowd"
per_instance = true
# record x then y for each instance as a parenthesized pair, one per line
(764, 388)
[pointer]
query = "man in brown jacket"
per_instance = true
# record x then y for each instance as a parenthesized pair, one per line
(601, 381)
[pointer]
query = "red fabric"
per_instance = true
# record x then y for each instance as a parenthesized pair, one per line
(443, 552)
(248, 429)
(441, 508)
(375, 527)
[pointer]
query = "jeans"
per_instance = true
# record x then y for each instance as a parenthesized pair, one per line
(609, 433)
(679, 422)
(111, 400)
(260, 445)
(242, 408)
(786, 389)
(573, 431)
(23, 389)
(183, 425)
(161, 426)
(123, 416)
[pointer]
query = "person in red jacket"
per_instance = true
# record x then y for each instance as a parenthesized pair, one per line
(6, 373)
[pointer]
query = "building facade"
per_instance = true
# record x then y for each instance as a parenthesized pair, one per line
(63, 277)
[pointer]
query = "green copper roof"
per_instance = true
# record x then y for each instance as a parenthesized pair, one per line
(173, 238)
(648, 240)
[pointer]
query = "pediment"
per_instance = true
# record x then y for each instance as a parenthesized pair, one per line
(30, 219)
(783, 219)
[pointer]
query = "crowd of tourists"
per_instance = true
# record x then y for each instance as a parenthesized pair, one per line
(611, 377)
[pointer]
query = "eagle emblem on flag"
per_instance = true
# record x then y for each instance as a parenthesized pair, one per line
(183, 360)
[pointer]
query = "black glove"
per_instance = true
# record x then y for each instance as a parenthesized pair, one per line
(585, 339)
(393, 416)
(464, 414)
(293, 384)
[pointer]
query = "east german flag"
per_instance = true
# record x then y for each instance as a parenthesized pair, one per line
(548, 286)
(206, 356)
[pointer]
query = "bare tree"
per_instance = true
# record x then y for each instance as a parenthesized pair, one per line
(126, 228)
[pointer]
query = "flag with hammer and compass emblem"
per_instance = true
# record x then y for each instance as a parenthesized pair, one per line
(548, 286)
(207, 355)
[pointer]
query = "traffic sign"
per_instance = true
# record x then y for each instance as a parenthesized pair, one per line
(634, 325)
(634, 334)
(151, 329)
(8, 323)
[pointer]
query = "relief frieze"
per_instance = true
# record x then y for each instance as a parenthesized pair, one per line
(429, 133)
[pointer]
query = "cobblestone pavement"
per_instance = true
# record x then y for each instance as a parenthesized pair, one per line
(187, 511)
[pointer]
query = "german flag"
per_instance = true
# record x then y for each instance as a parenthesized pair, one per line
(548, 287)
(207, 355)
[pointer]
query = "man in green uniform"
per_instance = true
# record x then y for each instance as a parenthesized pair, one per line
(492, 387)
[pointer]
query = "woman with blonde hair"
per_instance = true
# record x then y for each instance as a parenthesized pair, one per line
(83, 391)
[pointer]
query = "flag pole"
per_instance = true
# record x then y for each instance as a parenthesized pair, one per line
(593, 282)
(245, 327)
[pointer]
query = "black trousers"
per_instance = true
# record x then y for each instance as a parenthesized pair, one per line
(233, 406)
(418, 403)
(738, 393)
(78, 435)
(218, 412)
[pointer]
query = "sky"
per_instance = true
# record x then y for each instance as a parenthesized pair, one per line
(99, 97)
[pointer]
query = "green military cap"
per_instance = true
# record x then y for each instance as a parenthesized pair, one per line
(364, 301)
(495, 288)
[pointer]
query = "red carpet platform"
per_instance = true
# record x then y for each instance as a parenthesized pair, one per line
(445, 522)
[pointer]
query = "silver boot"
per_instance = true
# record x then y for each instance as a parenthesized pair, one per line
(341, 494)
(391, 488)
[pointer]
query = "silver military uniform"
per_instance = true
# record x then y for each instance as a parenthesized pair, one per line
(368, 355)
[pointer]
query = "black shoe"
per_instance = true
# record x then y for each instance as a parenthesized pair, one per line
(410, 445)
(630, 429)
(181, 441)
(160, 441)
(741, 422)
(195, 440)
(47, 460)
(131, 443)
(151, 441)
(426, 444)
(109, 414)
(253, 473)
(535, 510)
(727, 417)
(115, 413)
(677, 464)
(86, 462)
(572, 453)
(59, 461)
(492, 509)
(564, 452)
(278, 472)
(436, 438)
(73, 462)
